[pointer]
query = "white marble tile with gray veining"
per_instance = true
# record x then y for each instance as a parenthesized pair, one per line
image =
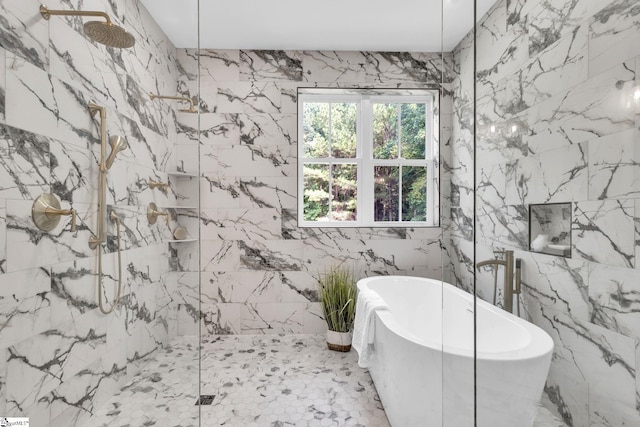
(601, 358)
(3, 83)
(84, 65)
(23, 32)
(614, 166)
(399, 67)
(43, 104)
(270, 65)
(550, 21)
(249, 286)
(270, 255)
(70, 296)
(332, 66)
(142, 188)
(268, 129)
(219, 130)
(135, 228)
(29, 304)
(74, 172)
(249, 97)
(24, 164)
(3, 237)
(603, 232)
(262, 161)
(256, 224)
(557, 69)
(504, 47)
(268, 192)
(573, 117)
(262, 318)
(220, 192)
(39, 365)
(491, 185)
(613, 35)
(615, 298)
(147, 147)
(220, 255)
(32, 247)
(556, 283)
(552, 176)
(636, 222)
(218, 64)
(503, 226)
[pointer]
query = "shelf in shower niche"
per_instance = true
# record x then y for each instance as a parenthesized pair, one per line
(183, 174)
(181, 241)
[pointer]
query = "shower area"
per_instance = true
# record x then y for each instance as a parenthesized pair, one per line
(153, 266)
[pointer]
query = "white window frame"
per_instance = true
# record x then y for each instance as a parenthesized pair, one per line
(364, 160)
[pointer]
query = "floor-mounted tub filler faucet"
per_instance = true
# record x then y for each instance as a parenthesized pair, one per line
(509, 288)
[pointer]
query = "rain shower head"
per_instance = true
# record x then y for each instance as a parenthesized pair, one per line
(103, 32)
(118, 144)
(109, 34)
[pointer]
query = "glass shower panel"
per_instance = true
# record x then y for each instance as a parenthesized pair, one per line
(557, 130)
(99, 286)
(458, 163)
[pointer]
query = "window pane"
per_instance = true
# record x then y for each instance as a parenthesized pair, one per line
(386, 193)
(316, 192)
(316, 129)
(344, 191)
(343, 130)
(385, 131)
(414, 193)
(413, 132)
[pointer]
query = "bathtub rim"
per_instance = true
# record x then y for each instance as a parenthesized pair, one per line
(544, 342)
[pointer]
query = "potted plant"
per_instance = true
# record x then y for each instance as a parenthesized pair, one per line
(338, 299)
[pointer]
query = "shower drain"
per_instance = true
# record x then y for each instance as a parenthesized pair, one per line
(205, 399)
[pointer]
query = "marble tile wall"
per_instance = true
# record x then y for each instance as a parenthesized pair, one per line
(259, 269)
(558, 120)
(60, 358)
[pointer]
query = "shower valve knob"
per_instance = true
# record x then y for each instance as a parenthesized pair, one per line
(46, 213)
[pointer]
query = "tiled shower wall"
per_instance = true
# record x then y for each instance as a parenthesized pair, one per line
(259, 270)
(557, 122)
(60, 358)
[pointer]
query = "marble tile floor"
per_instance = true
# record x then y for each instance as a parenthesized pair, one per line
(264, 380)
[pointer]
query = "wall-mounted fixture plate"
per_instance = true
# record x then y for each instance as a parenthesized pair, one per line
(152, 213)
(43, 220)
(550, 229)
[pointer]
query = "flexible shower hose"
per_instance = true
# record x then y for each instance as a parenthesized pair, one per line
(116, 219)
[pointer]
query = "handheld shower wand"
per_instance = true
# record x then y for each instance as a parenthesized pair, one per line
(95, 242)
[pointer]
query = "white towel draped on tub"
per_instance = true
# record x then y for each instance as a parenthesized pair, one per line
(367, 304)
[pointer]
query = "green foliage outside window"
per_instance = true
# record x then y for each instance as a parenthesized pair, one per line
(330, 190)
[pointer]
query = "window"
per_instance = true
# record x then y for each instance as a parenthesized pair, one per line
(367, 157)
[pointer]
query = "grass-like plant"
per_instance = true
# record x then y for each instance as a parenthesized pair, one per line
(338, 298)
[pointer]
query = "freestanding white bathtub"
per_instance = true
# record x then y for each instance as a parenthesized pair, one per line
(422, 363)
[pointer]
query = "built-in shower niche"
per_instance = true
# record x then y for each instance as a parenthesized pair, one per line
(550, 229)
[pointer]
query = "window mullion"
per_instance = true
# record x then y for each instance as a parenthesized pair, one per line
(367, 163)
(330, 187)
